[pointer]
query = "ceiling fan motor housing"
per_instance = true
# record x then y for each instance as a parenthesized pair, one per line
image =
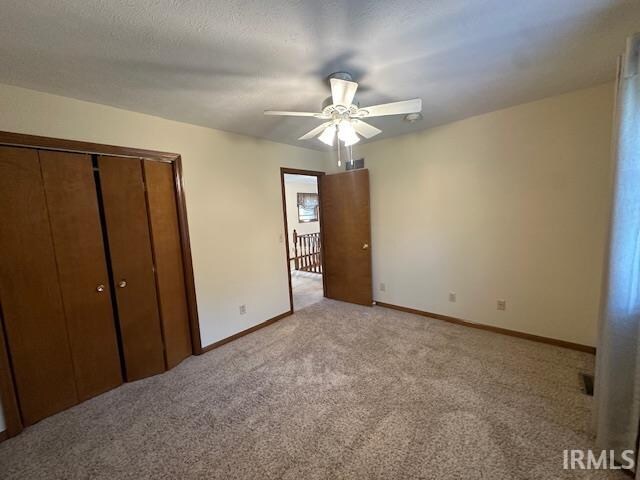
(346, 76)
(337, 112)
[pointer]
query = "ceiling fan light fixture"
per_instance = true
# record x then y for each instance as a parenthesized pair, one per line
(328, 135)
(347, 133)
(345, 129)
(344, 115)
(351, 140)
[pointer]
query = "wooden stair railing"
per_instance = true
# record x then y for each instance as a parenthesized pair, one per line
(306, 252)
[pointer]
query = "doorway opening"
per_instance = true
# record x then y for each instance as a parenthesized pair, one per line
(302, 223)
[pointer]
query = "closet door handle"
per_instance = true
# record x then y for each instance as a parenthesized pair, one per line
(100, 288)
(122, 283)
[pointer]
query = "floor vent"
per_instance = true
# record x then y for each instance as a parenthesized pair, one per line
(587, 383)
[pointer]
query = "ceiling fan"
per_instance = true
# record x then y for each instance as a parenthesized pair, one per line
(344, 117)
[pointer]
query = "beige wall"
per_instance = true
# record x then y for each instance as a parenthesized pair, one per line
(233, 194)
(511, 204)
(508, 205)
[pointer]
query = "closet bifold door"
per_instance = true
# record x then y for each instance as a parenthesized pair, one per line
(125, 210)
(32, 307)
(165, 238)
(70, 190)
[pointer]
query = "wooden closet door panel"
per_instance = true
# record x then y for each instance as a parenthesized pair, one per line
(32, 307)
(165, 238)
(77, 235)
(132, 265)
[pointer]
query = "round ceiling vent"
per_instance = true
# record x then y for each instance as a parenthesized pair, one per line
(413, 117)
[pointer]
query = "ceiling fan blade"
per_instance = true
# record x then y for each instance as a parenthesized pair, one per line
(316, 131)
(396, 108)
(292, 114)
(342, 91)
(364, 129)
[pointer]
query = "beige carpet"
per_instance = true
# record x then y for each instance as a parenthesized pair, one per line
(307, 289)
(336, 391)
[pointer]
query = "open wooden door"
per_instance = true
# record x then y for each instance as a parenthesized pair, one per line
(346, 236)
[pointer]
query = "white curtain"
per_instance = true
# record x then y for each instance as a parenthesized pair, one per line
(617, 396)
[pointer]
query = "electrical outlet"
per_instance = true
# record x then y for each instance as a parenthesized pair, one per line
(383, 287)
(243, 309)
(452, 296)
(502, 304)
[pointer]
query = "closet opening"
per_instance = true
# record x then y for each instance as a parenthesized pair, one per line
(97, 288)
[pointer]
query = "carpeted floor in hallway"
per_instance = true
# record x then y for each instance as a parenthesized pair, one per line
(336, 391)
(307, 289)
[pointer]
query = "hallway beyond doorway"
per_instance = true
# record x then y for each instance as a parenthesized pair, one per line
(307, 289)
(301, 209)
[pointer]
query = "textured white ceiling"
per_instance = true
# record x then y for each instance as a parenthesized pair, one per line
(221, 63)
